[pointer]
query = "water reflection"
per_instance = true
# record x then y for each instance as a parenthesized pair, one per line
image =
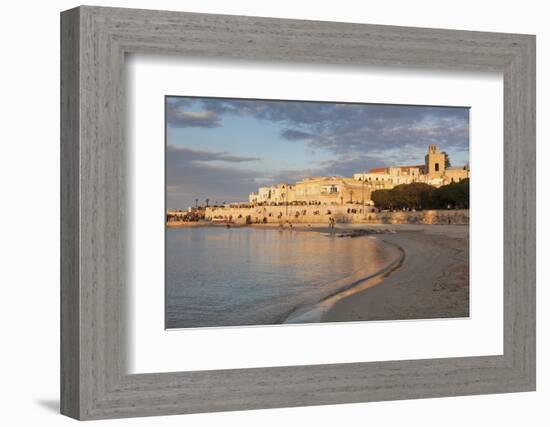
(245, 276)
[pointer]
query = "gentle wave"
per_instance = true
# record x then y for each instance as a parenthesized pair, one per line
(347, 286)
(246, 276)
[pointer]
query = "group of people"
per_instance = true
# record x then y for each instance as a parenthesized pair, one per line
(331, 222)
(282, 224)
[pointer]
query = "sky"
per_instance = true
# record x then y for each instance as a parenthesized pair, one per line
(224, 149)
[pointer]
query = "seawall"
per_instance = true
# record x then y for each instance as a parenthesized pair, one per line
(342, 214)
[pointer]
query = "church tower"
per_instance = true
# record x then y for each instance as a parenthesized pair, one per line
(435, 162)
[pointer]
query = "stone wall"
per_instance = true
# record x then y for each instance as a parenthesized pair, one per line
(320, 214)
(461, 216)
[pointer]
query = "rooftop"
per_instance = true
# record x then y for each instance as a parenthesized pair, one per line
(383, 170)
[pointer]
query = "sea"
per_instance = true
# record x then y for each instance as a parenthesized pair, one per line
(243, 276)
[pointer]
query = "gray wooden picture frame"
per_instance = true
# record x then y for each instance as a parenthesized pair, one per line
(94, 382)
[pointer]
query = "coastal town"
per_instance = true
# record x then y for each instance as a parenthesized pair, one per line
(432, 192)
(283, 212)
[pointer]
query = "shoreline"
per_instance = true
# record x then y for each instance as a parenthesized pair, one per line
(429, 280)
(432, 282)
(314, 313)
(314, 226)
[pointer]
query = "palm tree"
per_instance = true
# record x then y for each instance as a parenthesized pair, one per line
(207, 200)
(196, 203)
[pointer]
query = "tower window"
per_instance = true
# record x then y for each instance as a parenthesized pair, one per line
(437, 167)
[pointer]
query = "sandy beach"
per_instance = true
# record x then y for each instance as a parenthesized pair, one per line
(427, 277)
(432, 281)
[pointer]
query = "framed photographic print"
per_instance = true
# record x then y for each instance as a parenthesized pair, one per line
(262, 213)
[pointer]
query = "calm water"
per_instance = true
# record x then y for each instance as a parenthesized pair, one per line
(244, 276)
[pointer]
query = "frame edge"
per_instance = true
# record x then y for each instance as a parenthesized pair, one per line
(82, 398)
(70, 395)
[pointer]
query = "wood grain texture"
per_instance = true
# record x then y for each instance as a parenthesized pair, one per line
(94, 272)
(70, 258)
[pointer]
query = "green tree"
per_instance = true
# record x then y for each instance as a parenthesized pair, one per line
(382, 199)
(447, 160)
(456, 195)
(423, 196)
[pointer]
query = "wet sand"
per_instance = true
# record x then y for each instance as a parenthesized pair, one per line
(432, 282)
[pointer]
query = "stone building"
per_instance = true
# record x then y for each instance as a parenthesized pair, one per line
(332, 190)
(435, 162)
(434, 171)
(393, 175)
(456, 174)
(280, 193)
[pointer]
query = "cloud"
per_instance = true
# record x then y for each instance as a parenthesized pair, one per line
(356, 137)
(293, 135)
(176, 116)
(337, 167)
(187, 182)
(196, 174)
(192, 174)
(377, 129)
(189, 155)
(347, 166)
(348, 128)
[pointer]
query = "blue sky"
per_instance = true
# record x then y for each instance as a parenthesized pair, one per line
(223, 149)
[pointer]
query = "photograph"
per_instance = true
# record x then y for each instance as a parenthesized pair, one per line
(287, 211)
(259, 214)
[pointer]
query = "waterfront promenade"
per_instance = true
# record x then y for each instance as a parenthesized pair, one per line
(346, 214)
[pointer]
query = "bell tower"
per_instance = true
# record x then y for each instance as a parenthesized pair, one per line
(435, 162)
